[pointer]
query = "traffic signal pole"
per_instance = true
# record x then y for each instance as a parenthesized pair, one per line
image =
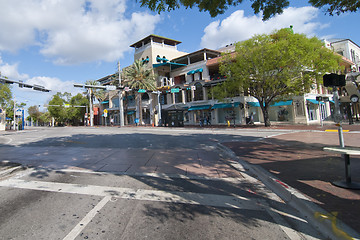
(121, 104)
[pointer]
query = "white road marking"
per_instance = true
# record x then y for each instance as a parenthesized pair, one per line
(214, 200)
(158, 175)
(85, 221)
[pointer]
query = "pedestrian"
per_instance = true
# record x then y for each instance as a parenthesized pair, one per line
(208, 120)
(112, 122)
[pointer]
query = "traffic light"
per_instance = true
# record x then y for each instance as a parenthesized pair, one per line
(334, 80)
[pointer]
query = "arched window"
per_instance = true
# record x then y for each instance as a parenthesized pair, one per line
(145, 97)
(198, 93)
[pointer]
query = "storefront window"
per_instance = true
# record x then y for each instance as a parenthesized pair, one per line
(178, 97)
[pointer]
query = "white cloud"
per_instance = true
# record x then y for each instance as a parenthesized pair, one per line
(11, 71)
(70, 32)
(53, 84)
(238, 27)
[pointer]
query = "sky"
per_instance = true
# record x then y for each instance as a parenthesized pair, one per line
(56, 43)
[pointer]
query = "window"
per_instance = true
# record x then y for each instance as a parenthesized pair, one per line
(163, 98)
(198, 93)
(178, 97)
(188, 95)
(352, 54)
(145, 97)
(179, 79)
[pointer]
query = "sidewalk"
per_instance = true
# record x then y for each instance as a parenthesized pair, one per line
(297, 159)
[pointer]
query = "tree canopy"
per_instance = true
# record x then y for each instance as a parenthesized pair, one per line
(73, 114)
(269, 67)
(5, 95)
(268, 7)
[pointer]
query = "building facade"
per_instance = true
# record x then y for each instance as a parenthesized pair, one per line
(185, 82)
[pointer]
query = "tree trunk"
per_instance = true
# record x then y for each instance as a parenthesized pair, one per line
(265, 111)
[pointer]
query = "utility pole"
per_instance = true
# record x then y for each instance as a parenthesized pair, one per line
(338, 117)
(121, 107)
(14, 124)
(159, 113)
(91, 107)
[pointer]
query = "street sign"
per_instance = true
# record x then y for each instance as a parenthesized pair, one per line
(67, 105)
(175, 90)
(193, 87)
(142, 91)
(110, 87)
(105, 111)
(105, 114)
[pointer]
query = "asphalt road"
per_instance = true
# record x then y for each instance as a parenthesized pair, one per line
(137, 183)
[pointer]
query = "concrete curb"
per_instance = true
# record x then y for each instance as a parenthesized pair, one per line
(326, 223)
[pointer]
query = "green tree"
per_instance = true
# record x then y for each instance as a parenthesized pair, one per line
(76, 114)
(137, 76)
(45, 118)
(5, 95)
(58, 111)
(268, 7)
(34, 113)
(275, 66)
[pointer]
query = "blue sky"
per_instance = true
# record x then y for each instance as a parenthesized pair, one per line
(58, 43)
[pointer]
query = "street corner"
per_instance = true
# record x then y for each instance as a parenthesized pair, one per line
(8, 168)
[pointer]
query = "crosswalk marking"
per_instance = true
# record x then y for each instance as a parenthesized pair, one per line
(215, 200)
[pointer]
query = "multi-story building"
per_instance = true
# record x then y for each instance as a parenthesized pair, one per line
(185, 82)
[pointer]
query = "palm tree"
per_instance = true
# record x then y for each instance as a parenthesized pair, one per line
(137, 76)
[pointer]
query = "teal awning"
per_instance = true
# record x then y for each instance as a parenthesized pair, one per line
(130, 112)
(104, 102)
(199, 70)
(253, 104)
(169, 64)
(281, 103)
(314, 101)
(191, 72)
(225, 105)
(275, 104)
(201, 107)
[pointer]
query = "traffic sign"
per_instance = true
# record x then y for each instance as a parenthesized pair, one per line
(175, 90)
(105, 111)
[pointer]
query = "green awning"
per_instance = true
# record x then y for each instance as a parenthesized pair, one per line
(225, 105)
(201, 107)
